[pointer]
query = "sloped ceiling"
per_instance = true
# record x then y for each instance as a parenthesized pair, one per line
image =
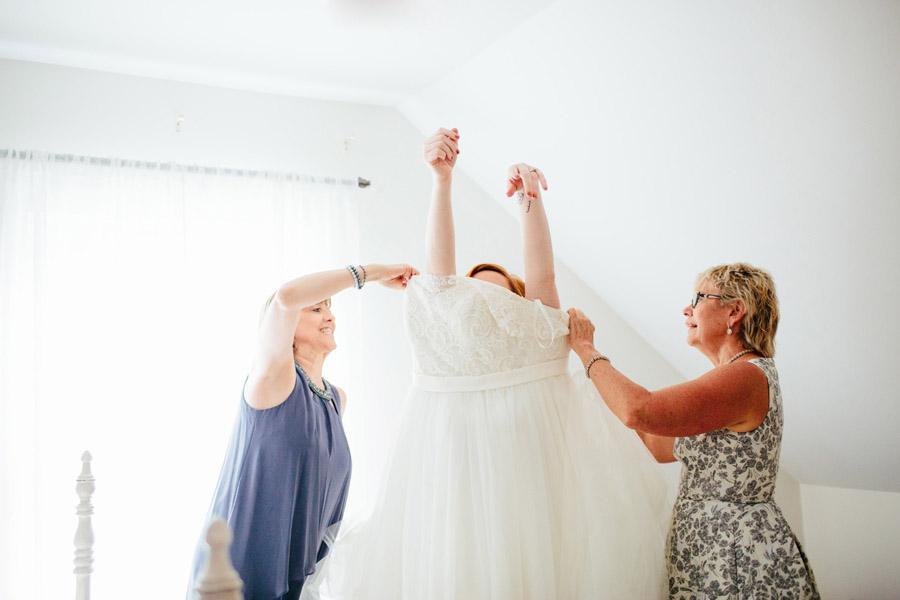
(675, 136)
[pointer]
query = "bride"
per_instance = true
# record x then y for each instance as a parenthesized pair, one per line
(507, 480)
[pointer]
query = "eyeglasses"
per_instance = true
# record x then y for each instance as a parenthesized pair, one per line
(698, 296)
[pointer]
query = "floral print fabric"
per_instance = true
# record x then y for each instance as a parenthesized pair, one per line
(728, 539)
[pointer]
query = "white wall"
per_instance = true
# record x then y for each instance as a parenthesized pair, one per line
(789, 499)
(853, 542)
(677, 136)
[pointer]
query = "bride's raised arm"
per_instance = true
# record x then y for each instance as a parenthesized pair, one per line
(440, 152)
(540, 277)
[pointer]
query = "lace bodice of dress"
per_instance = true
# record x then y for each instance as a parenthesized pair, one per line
(735, 467)
(464, 326)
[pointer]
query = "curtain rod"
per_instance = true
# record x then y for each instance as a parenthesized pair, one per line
(178, 167)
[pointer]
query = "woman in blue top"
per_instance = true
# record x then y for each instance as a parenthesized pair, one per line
(287, 469)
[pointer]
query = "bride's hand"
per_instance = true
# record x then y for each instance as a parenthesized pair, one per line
(526, 179)
(581, 333)
(394, 277)
(440, 152)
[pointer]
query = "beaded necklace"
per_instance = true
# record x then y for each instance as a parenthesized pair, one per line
(735, 357)
(327, 394)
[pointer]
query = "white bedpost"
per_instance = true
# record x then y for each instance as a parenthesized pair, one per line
(218, 579)
(84, 535)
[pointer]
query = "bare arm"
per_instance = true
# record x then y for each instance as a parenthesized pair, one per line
(440, 152)
(734, 396)
(271, 376)
(537, 248)
(660, 446)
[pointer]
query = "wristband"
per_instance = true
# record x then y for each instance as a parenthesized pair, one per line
(587, 368)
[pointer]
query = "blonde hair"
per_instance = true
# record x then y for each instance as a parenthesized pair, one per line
(265, 308)
(755, 288)
(516, 283)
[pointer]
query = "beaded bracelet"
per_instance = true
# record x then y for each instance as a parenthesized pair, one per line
(357, 281)
(587, 369)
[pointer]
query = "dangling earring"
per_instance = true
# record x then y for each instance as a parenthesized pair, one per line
(729, 331)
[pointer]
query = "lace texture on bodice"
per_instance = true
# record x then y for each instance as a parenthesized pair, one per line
(459, 326)
(731, 466)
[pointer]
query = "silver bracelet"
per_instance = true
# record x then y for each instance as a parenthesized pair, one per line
(365, 276)
(587, 369)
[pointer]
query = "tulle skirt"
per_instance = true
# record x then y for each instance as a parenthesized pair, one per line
(527, 490)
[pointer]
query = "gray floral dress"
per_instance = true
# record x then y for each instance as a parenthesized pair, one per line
(728, 538)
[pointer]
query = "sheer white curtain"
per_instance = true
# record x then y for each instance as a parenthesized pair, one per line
(129, 296)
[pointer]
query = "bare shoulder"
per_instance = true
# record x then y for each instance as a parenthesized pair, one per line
(738, 376)
(753, 384)
(269, 388)
(343, 396)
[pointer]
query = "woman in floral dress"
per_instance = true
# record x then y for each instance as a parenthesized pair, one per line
(728, 538)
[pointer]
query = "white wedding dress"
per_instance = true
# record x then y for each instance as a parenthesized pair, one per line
(510, 479)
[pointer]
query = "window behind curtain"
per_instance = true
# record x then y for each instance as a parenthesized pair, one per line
(129, 297)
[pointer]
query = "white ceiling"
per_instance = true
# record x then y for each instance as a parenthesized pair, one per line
(675, 136)
(371, 51)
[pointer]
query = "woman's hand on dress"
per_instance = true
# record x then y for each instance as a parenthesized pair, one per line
(524, 178)
(440, 152)
(581, 333)
(394, 277)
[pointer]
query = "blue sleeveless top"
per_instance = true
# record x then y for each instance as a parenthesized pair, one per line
(284, 481)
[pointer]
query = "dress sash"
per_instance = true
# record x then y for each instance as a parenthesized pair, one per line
(490, 381)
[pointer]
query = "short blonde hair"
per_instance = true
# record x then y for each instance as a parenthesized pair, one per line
(755, 288)
(265, 308)
(516, 283)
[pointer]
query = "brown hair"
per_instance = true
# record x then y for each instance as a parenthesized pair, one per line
(755, 288)
(517, 285)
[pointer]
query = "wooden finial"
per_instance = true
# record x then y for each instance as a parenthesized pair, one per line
(218, 579)
(84, 535)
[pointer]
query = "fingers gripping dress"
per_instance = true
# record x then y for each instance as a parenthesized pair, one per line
(728, 538)
(481, 497)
